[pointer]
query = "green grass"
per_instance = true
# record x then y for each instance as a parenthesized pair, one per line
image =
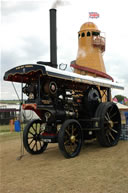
(4, 128)
(9, 101)
(6, 134)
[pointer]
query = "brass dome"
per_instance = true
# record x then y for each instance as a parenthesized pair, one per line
(89, 26)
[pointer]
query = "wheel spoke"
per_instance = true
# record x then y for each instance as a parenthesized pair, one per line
(75, 146)
(72, 149)
(31, 142)
(111, 110)
(34, 146)
(113, 115)
(114, 130)
(73, 129)
(33, 128)
(111, 135)
(67, 132)
(108, 138)
(40, 131)
(36, 128)
(30, 137)
(68, 149)
(107, 117)
(31, 133)
(66, 142)
(116, 122)
(40, 144)
(76, 135)
(39, 128)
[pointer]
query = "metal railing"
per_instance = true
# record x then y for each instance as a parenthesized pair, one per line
(99, 41)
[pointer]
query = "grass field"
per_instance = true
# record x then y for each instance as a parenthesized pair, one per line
(95, 170)
(4, 128)
(9, 101)
(6, 134)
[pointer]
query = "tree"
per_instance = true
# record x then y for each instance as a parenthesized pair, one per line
(120, 98)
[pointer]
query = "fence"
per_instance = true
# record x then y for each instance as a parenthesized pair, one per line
(6, 114)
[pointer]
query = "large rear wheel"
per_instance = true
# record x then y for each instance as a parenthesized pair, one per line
(109, 124)
(70, 138)
(32, 137)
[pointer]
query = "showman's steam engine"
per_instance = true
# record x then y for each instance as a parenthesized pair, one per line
(72, 106)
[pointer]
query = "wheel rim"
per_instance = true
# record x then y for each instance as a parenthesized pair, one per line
(112, 124)
(72, 139)
(34, 141)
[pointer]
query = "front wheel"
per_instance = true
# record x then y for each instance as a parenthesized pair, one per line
(32, 137)
(70, 138)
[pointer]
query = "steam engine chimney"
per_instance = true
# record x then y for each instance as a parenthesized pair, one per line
(53, 39)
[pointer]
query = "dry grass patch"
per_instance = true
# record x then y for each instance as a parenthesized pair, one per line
(95, 170)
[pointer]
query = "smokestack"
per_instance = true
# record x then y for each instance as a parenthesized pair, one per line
(53, 39)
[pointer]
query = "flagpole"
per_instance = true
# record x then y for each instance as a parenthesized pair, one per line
(88, 16)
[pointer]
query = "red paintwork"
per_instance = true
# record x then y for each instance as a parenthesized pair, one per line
(98, 73)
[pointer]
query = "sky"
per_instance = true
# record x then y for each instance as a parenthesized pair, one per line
(25, 35)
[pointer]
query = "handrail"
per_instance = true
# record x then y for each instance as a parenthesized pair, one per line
(99, 41)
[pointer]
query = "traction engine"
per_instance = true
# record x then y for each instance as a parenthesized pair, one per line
(71, 107)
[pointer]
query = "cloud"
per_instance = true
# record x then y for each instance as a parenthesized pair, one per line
(117, 66)
(8, 91)
(31, 50)
(25, 33)
(16, 7)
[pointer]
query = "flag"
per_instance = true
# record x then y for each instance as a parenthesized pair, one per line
(93, 15)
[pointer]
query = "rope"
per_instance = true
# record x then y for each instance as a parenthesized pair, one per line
(16, 92)
(21, 124)
(21, 146)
